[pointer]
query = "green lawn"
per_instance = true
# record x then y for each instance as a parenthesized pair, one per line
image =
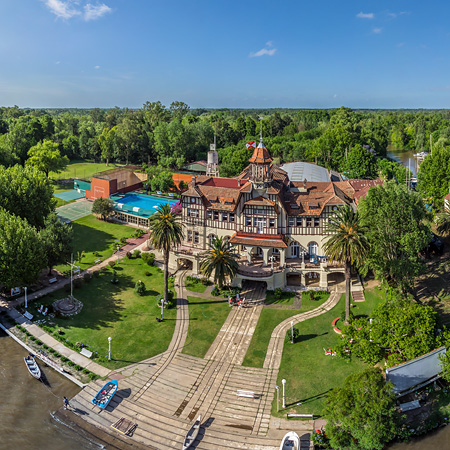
(196, 285)
(206, 318)
(286, 298)
(115, 310)
(268, 320)
(309, 373)
(57, 189)
(93, 235)
(81, 169)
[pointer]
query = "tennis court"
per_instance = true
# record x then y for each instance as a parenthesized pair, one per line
(73, 194)
(74, 211)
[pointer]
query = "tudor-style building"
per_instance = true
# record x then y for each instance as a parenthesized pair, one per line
(277, 225)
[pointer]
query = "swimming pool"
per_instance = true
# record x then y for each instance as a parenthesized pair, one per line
(140, 204)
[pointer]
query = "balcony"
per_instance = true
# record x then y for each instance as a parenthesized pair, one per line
(257, 269)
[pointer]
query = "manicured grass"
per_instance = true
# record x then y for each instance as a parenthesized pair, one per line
(268, 320)
(116, 311)
(81, 169)
(206, 318)
(310, 374)
(93, 235)
(286, 298)
(196, 285)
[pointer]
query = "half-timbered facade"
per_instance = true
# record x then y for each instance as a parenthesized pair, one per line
(277, 225)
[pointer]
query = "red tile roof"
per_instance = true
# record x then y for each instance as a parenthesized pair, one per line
(261, 155)
(259, 240)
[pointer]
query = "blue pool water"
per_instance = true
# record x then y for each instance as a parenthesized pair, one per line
(146, 202)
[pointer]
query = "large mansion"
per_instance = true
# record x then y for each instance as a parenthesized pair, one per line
(275, 218)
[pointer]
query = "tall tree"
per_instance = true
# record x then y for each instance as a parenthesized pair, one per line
(45, 156)
(21, 251)
(347, 244)
(27, 193)
(103, 206)
(165, 232)
(397, 230)
(56, 238)
(221, 259)
(443, 222)
(360, 163)
(361, 415)
(108, 143)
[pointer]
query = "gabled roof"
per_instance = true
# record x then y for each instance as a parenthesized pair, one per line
(259, 201)
(260, 240)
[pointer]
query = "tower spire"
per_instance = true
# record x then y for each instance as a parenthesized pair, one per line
(260, 118)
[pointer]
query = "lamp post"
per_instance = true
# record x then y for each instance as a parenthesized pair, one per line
(26, 303)
(118, 248)
(278, 397)
(71, 276)
(109, 349)
(284, 396)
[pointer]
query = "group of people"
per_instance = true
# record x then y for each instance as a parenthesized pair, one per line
(236, 301)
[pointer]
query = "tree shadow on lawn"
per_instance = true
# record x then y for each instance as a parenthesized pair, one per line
(309, 399)
(307, 337)
(210, 302)
(90, 239)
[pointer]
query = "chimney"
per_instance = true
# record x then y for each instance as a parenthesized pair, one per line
(239, 182)
(194, 181)
(304, 183)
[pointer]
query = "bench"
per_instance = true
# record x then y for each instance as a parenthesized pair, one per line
(28, 315)
(300, 416)
(97, 261)
(53, 280)
(408, 406)
(248, 394)
(86, 352)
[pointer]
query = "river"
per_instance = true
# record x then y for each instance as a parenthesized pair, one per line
(27, 405)
(406, 157)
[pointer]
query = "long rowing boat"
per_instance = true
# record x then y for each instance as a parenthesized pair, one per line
(32, 366)
(192, 434)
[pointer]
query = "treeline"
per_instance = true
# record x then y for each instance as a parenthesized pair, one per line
(350, 141)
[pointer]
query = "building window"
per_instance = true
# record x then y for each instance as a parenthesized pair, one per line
(308, 221)
(313, 249)
(209, 214)
(316, 221)
(216, 215)
(248, 221)
(295, 249)
(231, 217)
(192, 200)
(272, 223)
(259, 211)
(224, 217)
(189, 236)
(196, 237)
(259, 222)
(211, 239)
(291, 221)
(192, 212)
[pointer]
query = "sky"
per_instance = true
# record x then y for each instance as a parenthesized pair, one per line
(225, 53)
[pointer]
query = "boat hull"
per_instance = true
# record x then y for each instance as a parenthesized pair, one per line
(105, 394)
(291, 441)
(192, 434)
(33, 367)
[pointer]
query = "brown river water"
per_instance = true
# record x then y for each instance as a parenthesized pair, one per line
(27, 405)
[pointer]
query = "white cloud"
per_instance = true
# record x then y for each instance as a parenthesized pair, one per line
(96, 67)
(362, 15)
(377, 30)
(58, 62)
(93, 12)
(62, 9)
(335, 95)
(400, 44)
(267, 50)
(67, 9)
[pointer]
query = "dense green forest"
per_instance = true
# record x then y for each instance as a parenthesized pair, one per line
(351, 141)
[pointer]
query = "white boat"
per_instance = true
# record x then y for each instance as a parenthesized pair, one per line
(192, 434)
(32, 366)
(291, 441)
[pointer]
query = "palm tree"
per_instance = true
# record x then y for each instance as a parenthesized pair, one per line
(347, 244)
(221, 259)
(165, 231)
(443, 222)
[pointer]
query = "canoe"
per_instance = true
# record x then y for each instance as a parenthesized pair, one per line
(192, 434)
(32, 366)
(291, 441)
(105, 394)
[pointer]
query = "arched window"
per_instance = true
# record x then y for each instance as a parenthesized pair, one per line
(313, 249)
(295, 249)
(211, 238)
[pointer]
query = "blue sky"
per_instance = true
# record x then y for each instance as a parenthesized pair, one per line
(225, 53)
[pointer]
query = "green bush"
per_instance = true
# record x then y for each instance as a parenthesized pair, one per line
(64, 359)
(148, 258)
(215, 291)
(46, 347)
(140, 288)
(77, 367)
(128, 255)
(96, 273)
(147, 273)
(87, 277)
(70, 363)
(111, 263)
(123, 240)
(93, 376)
(86, 371)
(136, 254)
(278, 293)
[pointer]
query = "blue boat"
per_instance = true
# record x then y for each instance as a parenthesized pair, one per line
(105, 394)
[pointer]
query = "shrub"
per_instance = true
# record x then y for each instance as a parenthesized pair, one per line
(171, 282)
(129, 255)
(96, 253)
(77, 282)
(70, 363)
(92, 376)
(111, 263)
(86, 371)
(123, 240)
(215, 292)
(147, 273)
(140, 288)
(312, 295)
(278, 293)
(87, 277)
(64, 359)
(58, 355)
(45, 347)
(289, 335)
(77, 367)
(97, 273)
(148, 258)
(33, 338)
(52, 351)
(136, 254)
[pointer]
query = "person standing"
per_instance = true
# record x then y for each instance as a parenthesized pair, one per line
(66, 403)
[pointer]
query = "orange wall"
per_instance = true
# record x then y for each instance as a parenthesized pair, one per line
(99, 188)
(177, 177)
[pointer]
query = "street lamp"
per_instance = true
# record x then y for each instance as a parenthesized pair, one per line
(284, 396)
(118, 248)
(109, 349)
(278, 397)
(26, 304)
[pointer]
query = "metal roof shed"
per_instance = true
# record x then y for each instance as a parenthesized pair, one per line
(416, 373)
